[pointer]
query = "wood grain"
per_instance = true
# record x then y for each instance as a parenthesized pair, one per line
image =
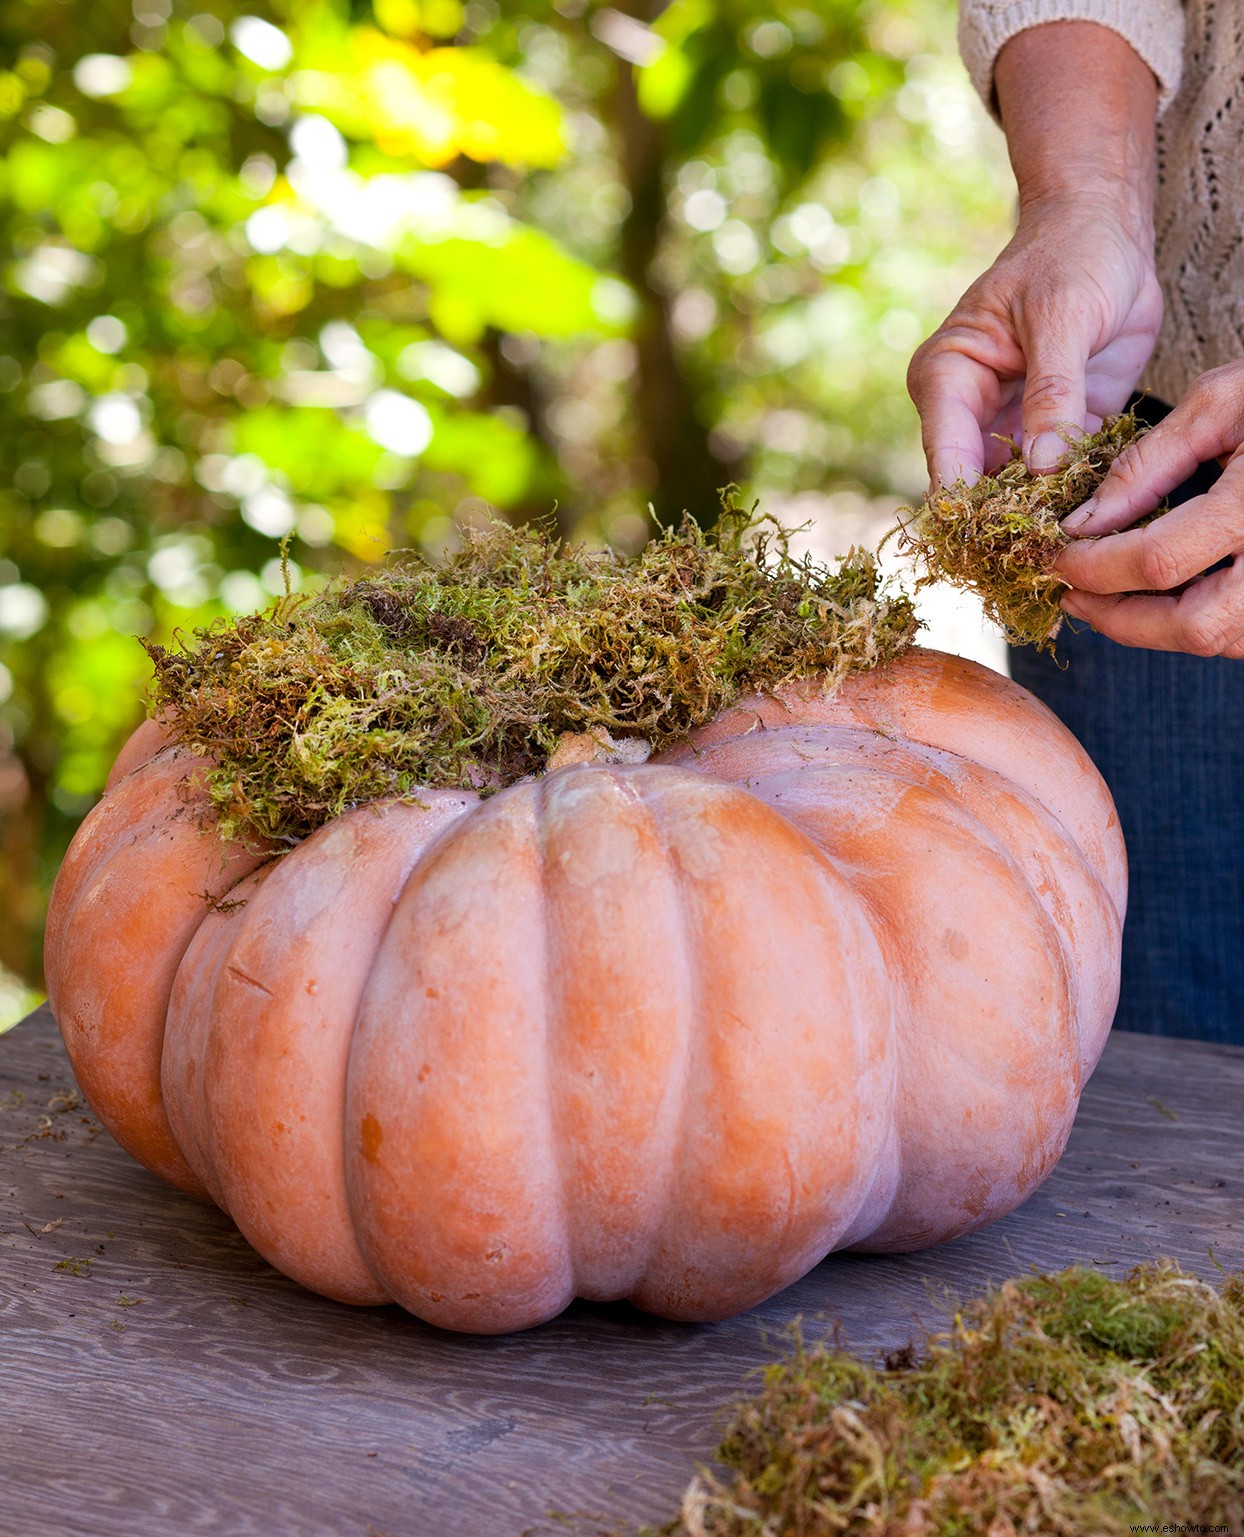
(158, 1378)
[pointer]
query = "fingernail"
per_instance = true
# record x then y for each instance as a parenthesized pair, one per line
(1075, 521)
(1070, 606)
(1045, 452)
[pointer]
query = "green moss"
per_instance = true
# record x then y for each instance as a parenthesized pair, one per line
(1059, 1404)
(1000, 537)
(470, 672)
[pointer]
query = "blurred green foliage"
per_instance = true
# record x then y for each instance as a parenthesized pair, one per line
(353, 272)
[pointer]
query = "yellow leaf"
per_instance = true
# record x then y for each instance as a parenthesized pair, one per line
(434, 104)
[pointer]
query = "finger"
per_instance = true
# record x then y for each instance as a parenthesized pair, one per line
(1114, 369)
(1207, 424)
(1206, 620)
(957, 450)
(998, 450)
(1165, 553)
(953, 394)
(1003, 428)
(1054, 394)
(1107, 391)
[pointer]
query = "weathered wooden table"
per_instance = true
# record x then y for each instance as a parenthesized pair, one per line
(157, 1379)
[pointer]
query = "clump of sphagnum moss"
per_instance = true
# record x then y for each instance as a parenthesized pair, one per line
(470, 671)
(1000, 537)
(1058, 1405)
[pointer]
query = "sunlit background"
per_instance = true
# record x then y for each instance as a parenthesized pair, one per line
(357, 273)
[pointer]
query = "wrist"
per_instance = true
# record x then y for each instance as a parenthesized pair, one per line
(1084, 198)
(1079, 106)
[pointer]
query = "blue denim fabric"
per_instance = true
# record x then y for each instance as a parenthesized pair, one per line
(1167, 733)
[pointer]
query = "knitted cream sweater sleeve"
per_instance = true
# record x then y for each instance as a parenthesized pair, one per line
(1154, 28)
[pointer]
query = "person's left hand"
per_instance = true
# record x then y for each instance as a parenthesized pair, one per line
(1151, 586)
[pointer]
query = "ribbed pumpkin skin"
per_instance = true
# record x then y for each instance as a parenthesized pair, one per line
(831, 974)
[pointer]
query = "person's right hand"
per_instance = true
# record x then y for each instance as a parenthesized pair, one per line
(1175, 583)
(1048, 341)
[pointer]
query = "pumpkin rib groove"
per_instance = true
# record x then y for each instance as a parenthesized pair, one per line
(891, 1026)
(690, 1062)
(187, 1041)
(113, 1008)
(452, 1178)
(619, 1075)
(1010, 877)
(146, 742)
(830, 973)
(418, 854)
(750, 1039)
(943, 700)
(952, 785)
(185, 1028)
(97, 843)
(978, 789)
(349, 1130)
(553, 1042)
(981, 802)
(227, 1035)
(697, 1090)
(888, 1178)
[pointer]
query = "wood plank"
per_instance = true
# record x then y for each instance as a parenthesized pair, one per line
(227, 1400)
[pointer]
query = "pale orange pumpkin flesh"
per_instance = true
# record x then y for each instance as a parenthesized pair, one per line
(832, 973)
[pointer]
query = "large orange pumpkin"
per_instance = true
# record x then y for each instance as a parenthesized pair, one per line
(833, 973)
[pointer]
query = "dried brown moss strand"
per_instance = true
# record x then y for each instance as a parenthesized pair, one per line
(468, 672)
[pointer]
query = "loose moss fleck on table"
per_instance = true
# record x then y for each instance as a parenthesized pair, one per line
(78, 1267)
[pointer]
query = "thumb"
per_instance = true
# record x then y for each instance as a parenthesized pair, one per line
(1054, 397)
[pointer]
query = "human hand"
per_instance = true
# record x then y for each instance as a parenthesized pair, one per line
(1056, 333)
(1151, 586)
(1053, 336)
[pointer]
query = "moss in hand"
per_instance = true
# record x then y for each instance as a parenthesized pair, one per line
(1000, 537)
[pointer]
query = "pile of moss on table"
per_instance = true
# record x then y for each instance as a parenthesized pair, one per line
(1060, 1405)
(470, 671)
(999, 537)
